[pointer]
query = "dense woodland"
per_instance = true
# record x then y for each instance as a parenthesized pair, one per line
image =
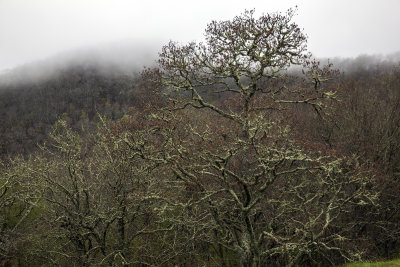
(221, 155)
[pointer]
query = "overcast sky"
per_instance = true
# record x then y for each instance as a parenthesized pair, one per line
(32, 30)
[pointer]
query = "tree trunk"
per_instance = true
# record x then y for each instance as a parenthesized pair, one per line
(249, 259)
(249, 256)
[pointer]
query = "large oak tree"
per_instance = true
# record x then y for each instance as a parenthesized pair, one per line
(254, 190)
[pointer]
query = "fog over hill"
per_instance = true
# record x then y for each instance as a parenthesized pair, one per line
(113, 58)
(130, 57)
(364, 62)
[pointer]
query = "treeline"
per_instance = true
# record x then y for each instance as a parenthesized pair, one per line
(77, 94)
(217, 157)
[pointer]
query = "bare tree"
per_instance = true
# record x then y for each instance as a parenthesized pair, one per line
(258, 195)
(19, 201)
(102, 199)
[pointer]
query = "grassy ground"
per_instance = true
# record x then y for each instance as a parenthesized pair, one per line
(392, 263)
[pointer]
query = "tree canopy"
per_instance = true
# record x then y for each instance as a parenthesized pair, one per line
(226, 157)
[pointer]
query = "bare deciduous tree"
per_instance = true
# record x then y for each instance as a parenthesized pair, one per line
(102, 200)
(252, 189)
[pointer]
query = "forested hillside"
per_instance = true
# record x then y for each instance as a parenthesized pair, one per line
(221, 155)
(77, 94)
